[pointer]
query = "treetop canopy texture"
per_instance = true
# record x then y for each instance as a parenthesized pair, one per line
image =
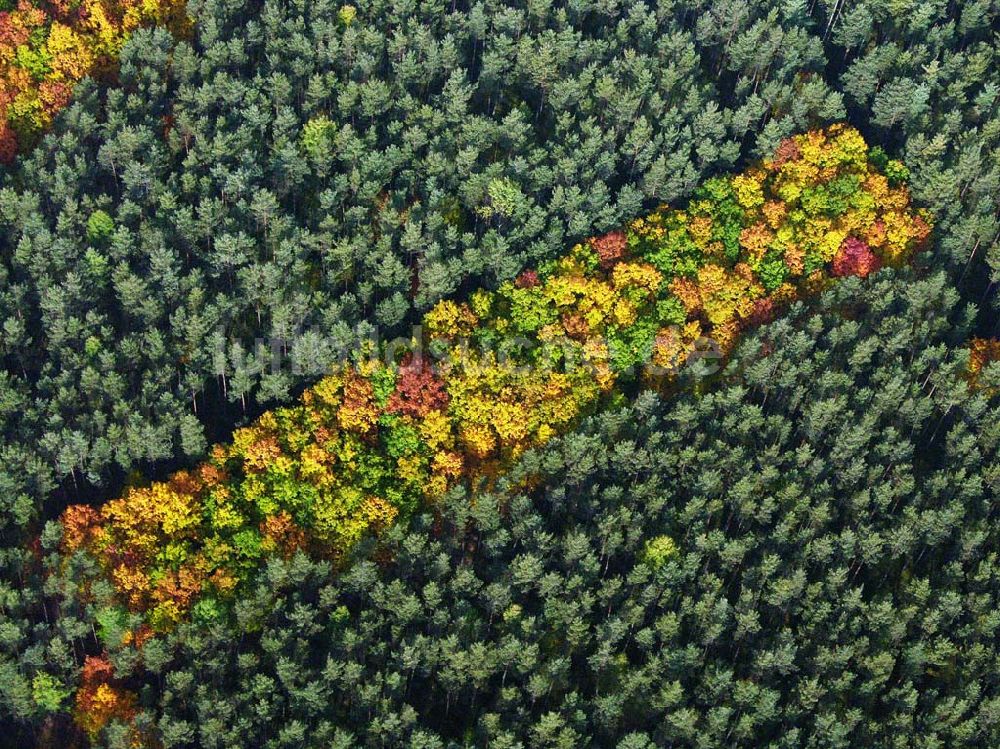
(496, 374)
(486, 379)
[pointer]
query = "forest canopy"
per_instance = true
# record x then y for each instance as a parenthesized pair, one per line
(505, 372)
(209, 204)
(47, 48)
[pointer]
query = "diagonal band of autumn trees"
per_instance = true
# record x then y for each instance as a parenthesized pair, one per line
(380, 437)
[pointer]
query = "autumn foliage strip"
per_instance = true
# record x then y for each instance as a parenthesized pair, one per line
(494, 375)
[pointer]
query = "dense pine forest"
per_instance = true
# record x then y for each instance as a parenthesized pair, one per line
(223, 525)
